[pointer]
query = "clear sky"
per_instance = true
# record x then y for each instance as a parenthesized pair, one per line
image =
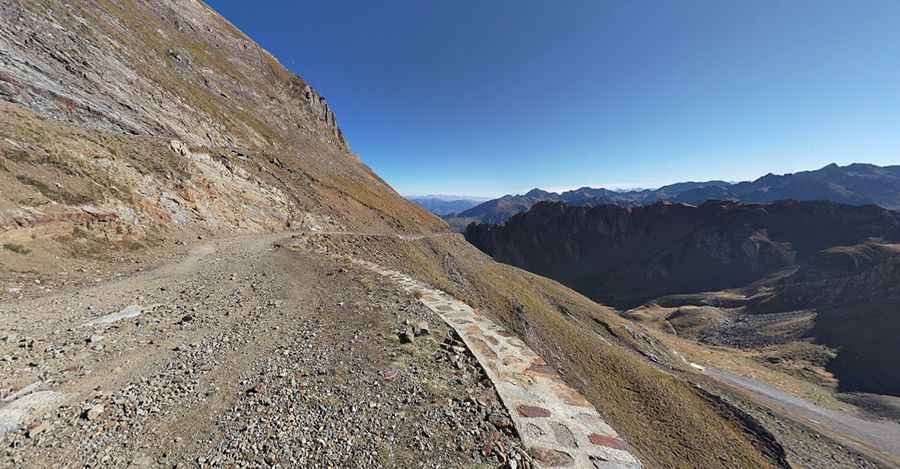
(493, 97)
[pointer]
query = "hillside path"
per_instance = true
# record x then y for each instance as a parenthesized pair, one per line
(242, 353)
(557, 425)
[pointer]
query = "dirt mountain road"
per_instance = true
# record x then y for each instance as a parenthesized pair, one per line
(242, 352)
(881, 438)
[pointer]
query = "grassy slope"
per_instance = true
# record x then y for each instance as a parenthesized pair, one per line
(668, 422)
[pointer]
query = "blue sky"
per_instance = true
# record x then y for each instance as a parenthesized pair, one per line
(487, 98)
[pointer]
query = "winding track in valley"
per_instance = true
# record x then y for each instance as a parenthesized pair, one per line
(881, 437)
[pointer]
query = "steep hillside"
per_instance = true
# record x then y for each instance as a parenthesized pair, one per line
(836, 311)
(625, 256)
(604, 356)
(855, 291)
(129, 123)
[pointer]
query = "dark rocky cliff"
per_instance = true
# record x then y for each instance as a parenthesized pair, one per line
(625, 256)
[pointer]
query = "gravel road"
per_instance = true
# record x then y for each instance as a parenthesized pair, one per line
(243, 354)
(882, 437)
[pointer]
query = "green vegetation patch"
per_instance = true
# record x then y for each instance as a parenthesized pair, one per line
(17, 248)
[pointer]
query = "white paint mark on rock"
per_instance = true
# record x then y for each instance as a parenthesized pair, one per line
(132, 311)
(18, 411)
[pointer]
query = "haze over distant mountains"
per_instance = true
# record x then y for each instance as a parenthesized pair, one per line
(440, 204)
(854, 184)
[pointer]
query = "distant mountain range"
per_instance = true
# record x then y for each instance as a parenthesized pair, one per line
(855, 184)
(446, 204)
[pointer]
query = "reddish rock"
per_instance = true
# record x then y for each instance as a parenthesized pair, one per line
(572, 397)
(608, 441)
(551, 457)
(545, 370)
(390, 374)
(530, 411)
(483, 348)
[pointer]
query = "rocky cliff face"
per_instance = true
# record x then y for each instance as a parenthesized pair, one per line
(124, 124)
(625, 256)
(161, 67)
(838, 276)
(855, 291)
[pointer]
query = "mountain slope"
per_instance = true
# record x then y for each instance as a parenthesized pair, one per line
(844, 298)
(175, 123)
(625, 256)
(855, 291)
(855, 184)
(130, 130)
(498, 210)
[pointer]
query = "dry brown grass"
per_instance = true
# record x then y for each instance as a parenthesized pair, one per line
(667, 421)
(17, 248)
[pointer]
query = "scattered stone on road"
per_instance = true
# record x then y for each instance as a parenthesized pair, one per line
(288, 367)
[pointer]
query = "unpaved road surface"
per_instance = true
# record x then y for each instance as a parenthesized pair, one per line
(243, 354)
(882, 437)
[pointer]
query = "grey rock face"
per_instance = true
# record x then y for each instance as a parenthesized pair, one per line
(173, 68)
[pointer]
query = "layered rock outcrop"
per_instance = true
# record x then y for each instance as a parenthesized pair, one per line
(160, 67)
(125, 124)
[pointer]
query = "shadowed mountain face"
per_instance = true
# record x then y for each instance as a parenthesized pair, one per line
(855, 291)
(855, 184)
(844, 298)
(625, 256)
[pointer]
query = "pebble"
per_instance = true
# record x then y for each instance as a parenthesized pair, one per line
(93, 413)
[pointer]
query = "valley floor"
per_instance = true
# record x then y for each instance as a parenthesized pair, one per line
(882, 437)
